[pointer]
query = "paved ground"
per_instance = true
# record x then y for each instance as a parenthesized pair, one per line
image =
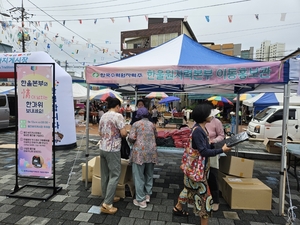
(75, 204)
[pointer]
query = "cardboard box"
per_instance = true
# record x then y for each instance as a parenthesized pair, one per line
(236, 166)
(221, 181)
(247, 193)
(97, 168)
(271, 148)
(121, 188)
(96, 186)
(126, 173)
(91, 165)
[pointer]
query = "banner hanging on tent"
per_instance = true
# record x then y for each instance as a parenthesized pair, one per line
(35, 119)
(256, 72)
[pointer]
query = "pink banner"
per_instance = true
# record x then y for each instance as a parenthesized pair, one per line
(246, 73)
(35, 120)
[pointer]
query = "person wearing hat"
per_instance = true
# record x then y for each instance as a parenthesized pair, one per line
(143, 156)
(216, 134)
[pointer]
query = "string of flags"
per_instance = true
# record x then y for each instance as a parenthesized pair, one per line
(95, 21)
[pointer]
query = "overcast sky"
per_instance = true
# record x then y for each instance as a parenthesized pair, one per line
(245, 28)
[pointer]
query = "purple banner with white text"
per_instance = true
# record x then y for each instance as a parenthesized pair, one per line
(255, 73)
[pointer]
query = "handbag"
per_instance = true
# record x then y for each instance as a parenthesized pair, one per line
(192, 163)
(125, 149)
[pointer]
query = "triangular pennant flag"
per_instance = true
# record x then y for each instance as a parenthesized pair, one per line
(165, 19)
(146, 17)
(64, 22)
(50, 24)
(112, 20)
(257, 16)
(185, 18)
(129, 19)
(230, 18)
(207, 18)
(282, 18)
(77, 51)
(80, 21)
(95, 21)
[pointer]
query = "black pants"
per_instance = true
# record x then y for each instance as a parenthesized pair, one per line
(213, 184)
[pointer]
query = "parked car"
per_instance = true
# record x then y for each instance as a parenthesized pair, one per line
(7, 111)
(268, 123)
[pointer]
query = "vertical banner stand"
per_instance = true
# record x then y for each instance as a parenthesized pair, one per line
(28, 191)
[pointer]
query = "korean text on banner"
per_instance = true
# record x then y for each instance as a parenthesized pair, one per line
(35, 117)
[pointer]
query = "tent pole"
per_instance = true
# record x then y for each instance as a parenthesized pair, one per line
(237, 118)
(135, 95)
(87, 134)
(282, 173)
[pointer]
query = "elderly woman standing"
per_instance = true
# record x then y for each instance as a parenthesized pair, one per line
(198, 193)
(143, 156)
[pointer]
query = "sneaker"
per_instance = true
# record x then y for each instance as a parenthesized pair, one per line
(142, 204)
(147, 198)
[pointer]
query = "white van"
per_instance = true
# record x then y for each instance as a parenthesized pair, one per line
(7, 111)
(268, 123)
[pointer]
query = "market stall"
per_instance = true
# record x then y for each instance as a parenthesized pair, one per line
(187, 64)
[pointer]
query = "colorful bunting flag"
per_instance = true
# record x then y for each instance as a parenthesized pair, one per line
(185, 18)
(129, 19)
(64, 22)
(282, 18)
(257, 16)
(80, 21)
(95, 21)
(207, 18)
(230, 18)
(112, 20)
(165, 19)
(146, 17)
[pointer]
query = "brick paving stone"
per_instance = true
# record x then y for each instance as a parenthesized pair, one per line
(151, 215)
(26, 220)
(141, 222)
(153, 222)
(4, 215)
(126, 221)
(231, 215)
(164, 216)
(83, 217)
(112, 219)
(40, 221)
(136, 213)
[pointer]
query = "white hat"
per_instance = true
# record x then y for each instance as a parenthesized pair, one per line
(214, 112)
(232, 113)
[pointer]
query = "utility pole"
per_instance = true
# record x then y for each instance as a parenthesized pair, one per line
(22, 18)
(24, 15)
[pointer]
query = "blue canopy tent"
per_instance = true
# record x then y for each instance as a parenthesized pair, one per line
(191, 67)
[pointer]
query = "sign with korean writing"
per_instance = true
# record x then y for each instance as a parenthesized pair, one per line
(35, 119)
(256, 72)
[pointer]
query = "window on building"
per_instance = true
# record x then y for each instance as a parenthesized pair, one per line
(159, 39)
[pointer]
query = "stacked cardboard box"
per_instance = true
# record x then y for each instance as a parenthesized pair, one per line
(270, 145)
(238, 188)
(91, 165)
(125, 179)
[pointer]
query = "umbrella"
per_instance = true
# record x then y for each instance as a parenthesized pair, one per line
(156, 95)
(244, 97)
(103, 94)
(169, 99)
(219, 100)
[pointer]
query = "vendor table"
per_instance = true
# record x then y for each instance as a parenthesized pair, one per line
(293, 151)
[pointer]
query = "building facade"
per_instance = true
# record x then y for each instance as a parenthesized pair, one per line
(270, 52)
(159, 31)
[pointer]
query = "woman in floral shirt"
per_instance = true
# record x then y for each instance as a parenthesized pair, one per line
(143, 156)
(111, 129)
